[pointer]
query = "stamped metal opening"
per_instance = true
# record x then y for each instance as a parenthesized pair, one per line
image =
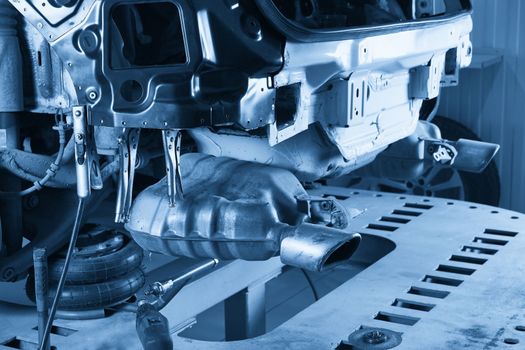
(406, 213)
(339, 197)
(418, 206)
(395, 220)
(61, 331)
(490, 241)
(395, 318)
(427, 292)
(288, 294)
(287, 100)
(330, 15)
(478, 250)
(131, 91)
(147, 34)
(382, 227)
(456, 269)
(413, 305)
(468, 259)
(490, 231)
(17, 343)
(442, 280)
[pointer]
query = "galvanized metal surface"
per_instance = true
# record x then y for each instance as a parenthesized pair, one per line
(473, 249)
(370, 84)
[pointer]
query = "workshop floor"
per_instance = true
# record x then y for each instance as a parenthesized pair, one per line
(286, 296)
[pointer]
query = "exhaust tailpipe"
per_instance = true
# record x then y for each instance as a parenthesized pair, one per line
(317, 248)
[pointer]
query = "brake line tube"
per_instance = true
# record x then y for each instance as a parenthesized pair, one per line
(63, 276)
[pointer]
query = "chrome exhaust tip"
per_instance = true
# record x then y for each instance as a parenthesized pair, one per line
(317, 248)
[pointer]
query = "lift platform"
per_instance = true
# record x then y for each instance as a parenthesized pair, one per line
(440, 274)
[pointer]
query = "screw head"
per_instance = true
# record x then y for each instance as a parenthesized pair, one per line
(92, 95)
(326, 205)
(31, 202)
(252, 27)
(9, 275)
(374, 337)
(339, 220)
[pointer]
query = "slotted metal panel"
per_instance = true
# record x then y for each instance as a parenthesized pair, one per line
(457, 285)
(490, 101)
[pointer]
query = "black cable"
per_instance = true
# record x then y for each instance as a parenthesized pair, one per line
(38, 185)
(311, 283)
(61, 282)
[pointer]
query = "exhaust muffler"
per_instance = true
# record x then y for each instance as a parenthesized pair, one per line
(236, 210)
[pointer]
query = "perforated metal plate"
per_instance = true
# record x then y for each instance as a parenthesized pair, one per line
(454, 278)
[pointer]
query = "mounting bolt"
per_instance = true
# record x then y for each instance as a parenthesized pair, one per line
(252, 27)
(339, 220)
(374, 337)
(31, 202)
(155, 289)
(92, 94)
(326, 205)
(9, 275)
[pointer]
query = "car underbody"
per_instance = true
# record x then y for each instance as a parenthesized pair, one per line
(202, 124)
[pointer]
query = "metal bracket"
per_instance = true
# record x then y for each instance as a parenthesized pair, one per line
(128, 146)
(80, 130)
(465, 155)
(425, 81)
(442, 152)
(326, 210)
(86, 158)
(172, 144)
(428, 8)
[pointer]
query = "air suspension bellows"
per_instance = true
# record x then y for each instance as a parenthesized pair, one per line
(106, 270)
(236, 210)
